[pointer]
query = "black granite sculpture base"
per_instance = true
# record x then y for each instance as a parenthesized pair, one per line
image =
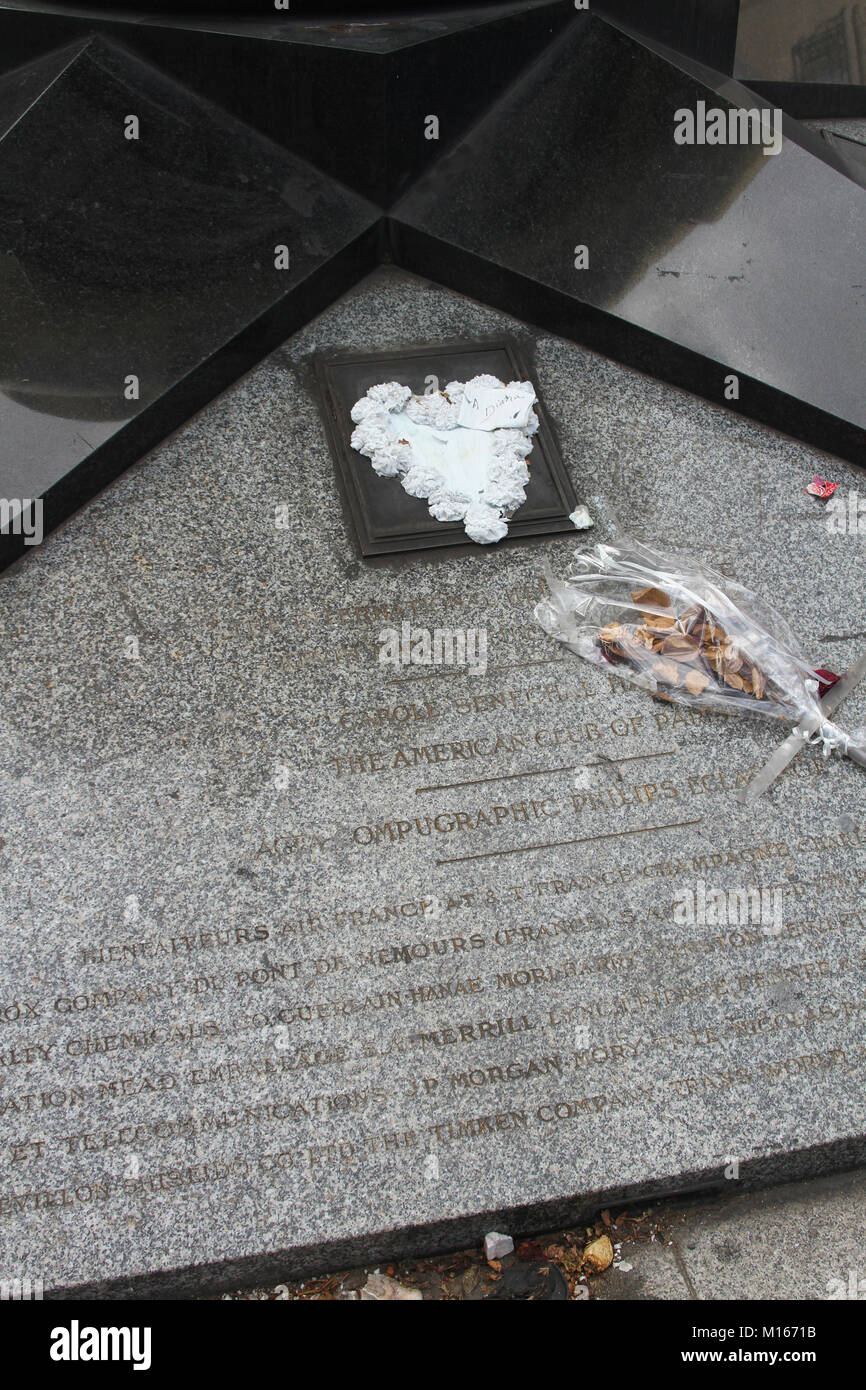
(153, 250)
(531, 150)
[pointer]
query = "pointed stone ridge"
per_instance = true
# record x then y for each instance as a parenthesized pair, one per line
(374, 32)
(485, 59)
(352, 96)
(852, 153)
(188, 180)
(703, 261)
(140, 230)
(383, 24)
(705, 29)
(23, 86)
(736, 93)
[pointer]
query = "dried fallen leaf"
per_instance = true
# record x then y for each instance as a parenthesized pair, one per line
(556, 1252)
(650, 598)
(696, 682)
(666, 671)
(598, 1255)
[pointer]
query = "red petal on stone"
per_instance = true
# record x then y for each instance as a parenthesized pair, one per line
(827, 680)
(821, 487)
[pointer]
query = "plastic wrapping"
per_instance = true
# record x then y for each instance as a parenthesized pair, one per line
(675, 628)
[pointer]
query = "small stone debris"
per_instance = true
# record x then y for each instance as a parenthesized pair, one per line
(561, 1264)
(581, 519)
(497, 1246)
(379, 1288)
(598, 1255)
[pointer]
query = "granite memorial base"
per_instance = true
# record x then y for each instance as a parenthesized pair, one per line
(308, 959)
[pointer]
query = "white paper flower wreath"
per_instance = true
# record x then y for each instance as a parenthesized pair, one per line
(464, 449)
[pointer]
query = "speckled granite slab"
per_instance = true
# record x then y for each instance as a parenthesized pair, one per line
(307, 958)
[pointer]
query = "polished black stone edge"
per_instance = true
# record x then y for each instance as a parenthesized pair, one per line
(171, 410)
(258, 10)
(703, 29)
(819, 1160)
(813, 101)
(268, 84)
(466, 273)
(550, 309)
(784, 95)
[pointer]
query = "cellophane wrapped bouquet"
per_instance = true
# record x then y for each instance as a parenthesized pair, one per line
(675, 628)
